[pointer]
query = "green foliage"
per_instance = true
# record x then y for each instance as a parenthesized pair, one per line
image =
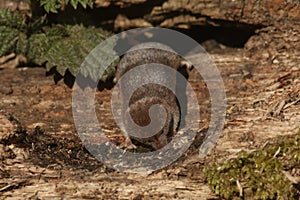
(54, 5)
(10, 23)
(60, 46)
(12, 20)
(66, 47)
(260, 173)
(14, 32)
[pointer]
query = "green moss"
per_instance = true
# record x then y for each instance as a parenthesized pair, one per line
(259, 173)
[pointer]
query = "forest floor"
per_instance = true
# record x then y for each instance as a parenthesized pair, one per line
(42, 157)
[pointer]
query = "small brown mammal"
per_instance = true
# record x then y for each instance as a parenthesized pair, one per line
(150, 94)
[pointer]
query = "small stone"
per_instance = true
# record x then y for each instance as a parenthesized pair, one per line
(275, 61)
